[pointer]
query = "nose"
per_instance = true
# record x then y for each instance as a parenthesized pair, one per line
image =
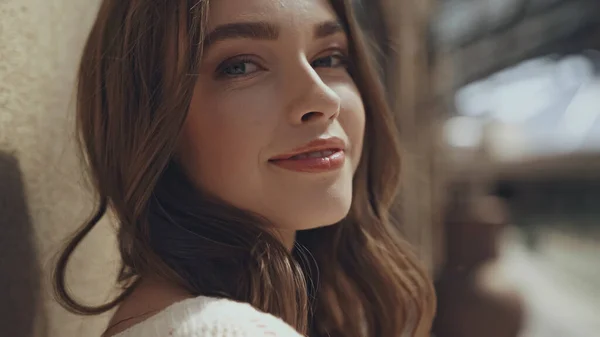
(311, 99)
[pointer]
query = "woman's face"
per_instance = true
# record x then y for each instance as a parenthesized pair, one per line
(276, 122)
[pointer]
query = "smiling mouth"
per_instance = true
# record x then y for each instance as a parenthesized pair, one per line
(314, 154)
(313, 162)
(322, 155)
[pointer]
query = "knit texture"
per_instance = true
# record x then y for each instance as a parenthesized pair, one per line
(210, 317)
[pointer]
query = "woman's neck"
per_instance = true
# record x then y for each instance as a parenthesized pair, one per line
(287, 237)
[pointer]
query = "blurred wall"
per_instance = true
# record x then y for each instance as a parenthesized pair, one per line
(42, 195)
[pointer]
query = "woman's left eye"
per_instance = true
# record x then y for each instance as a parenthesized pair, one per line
(237, 67)
(331, 61)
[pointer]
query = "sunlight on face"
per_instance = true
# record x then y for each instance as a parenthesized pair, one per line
(276, 122)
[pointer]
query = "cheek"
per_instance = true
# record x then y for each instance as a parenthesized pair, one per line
(352, 120)
(222, 139)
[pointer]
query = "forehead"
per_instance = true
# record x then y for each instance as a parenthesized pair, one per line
(292, 13)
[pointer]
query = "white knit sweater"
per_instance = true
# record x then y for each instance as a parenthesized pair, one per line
(210, 317)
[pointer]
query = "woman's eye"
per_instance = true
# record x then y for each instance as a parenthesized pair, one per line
(331, 61)
(238, 68)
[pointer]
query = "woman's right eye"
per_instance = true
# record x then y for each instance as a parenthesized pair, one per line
(237, 68)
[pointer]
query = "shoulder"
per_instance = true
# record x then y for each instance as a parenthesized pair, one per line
(219, 317)
(210, 317)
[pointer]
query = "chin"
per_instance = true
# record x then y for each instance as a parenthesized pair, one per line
(302, 204)
(333, 214)
(319, 212)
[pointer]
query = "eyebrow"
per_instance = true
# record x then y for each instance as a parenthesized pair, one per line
(328, 28)
(248, 30)
(263, 31)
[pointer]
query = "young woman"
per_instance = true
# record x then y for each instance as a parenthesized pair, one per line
(246, 151)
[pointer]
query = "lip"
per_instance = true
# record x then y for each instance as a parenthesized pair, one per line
(332, 157)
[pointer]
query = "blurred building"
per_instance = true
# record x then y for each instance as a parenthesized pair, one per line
(524, 126)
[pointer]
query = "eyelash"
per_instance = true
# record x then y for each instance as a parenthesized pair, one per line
(244, 59)
(342, 57)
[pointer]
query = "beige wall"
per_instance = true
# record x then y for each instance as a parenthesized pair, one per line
(42, 197)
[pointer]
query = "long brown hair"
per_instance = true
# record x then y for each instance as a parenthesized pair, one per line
(136, 78)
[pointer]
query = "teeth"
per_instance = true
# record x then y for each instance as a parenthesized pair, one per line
(316, 154)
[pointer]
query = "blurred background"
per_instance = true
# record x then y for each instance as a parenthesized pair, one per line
(498, 108)
(522, 135)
